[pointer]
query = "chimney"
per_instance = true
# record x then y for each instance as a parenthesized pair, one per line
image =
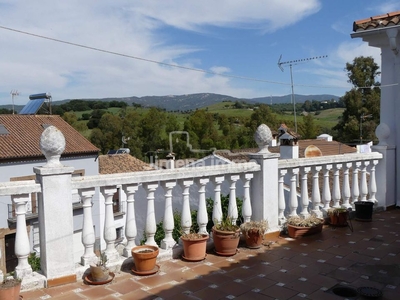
(289, 147)
(170, 161)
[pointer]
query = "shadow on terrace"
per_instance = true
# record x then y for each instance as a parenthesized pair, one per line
(283, 268)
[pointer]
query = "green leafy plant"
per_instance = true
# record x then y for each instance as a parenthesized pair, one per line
(34, 261)
(226, 224)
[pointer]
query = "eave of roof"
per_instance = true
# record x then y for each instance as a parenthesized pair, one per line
(380, 21)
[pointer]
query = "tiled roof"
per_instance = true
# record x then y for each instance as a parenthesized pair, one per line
(386, 20)
(21, 138)
(327, 148)
(121, 163)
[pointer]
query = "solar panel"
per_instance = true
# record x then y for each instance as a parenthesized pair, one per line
(32, 107)
(3, 129)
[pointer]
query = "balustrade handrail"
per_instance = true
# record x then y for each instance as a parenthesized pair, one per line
(329, 159)
(19, 187)
(163, 175)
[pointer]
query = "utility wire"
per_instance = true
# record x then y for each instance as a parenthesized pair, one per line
(166, 64)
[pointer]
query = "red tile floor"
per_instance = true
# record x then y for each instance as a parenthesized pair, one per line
(283, 268)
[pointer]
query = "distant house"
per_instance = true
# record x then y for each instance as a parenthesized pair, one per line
(19, 153)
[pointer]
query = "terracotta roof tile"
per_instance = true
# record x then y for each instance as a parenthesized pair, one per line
(121, 163)
(386, 20)
(326, 147)
(23, 137)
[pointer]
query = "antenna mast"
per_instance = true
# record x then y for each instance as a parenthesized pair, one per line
(290, 63)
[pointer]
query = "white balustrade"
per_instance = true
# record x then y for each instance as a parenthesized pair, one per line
(130, 223)
(372, 182)
(336, 185)
(326, 191)
(363, 181)
(217, 207)
(232, 206)
(22, 247)
(316, 195)
(88, 234)
(304, 191)
(168, 222)
(151, 225)
(110, 234)
(346, 186)
(202, 218)
(355, 186)
(246, 205)
(293, 203)
(281, 196)
(186, 217)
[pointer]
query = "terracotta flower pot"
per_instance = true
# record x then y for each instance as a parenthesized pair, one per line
(226, 242)
(10, 289)
(145, 257)
(339, 219)
(295, 231)
(99, 274)
(194, 249)
(253, 239)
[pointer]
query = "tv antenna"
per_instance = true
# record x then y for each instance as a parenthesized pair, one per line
(291, 63)
(13, 93)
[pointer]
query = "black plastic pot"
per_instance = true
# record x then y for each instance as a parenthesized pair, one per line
(364, 211)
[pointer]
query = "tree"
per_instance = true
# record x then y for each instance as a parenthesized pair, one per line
(308, 129)
(362, 102)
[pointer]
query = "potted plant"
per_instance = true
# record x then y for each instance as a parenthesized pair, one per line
(338, 216)
(145, 259)
(364, 210)
(253, 232)
(194, 246)
(298, 226)
(10, 288)
(226, 236)
(99, 273)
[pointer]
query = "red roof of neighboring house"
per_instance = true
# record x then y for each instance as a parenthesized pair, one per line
(121, 163)
(20, 137)
(386, 20)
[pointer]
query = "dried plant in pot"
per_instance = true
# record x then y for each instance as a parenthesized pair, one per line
(194, 246)
(99, 273)
(298, 226)
(226, 236)
(253, 232)
(338, 216)
(10, 288)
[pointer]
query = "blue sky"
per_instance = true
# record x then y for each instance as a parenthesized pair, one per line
(237, 44)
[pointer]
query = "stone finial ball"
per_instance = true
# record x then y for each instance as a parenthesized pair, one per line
(263, 137)
(382, 133)
(52, 145)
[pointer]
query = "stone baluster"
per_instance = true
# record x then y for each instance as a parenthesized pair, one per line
(22, 247)
(346, 186)
(110, 234)
(304, 191)
(246, 206)
(168, 222)
(232, 207)
(88, 234)
(130, 225)
(186, 217)
(336, 186)
(281, 197)
(315, 194)
(363, 181)
(217, 208)
(372, 182)
(202, 218)
(293, 204)
(151, 225)
(326, 190)
(355, 187)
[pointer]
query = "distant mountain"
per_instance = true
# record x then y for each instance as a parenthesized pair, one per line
(193, 101)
